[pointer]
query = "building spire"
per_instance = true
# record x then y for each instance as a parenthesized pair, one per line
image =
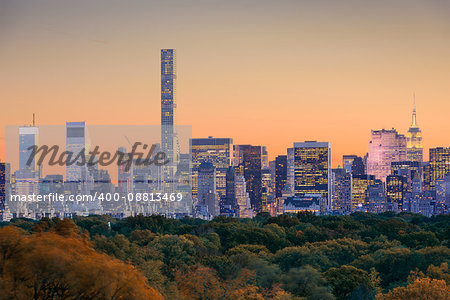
(414, 121)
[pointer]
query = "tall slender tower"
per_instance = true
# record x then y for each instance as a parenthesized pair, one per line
(414, 139)
(169, 140)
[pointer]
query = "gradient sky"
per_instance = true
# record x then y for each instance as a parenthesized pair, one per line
(262, 72)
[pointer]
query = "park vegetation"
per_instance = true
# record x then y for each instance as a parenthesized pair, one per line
(302, 256)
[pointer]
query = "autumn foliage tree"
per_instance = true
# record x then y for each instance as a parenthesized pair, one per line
(301, 256)
(421, 288)
(60, 264)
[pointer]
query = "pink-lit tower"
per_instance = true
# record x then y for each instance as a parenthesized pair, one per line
(385, 147)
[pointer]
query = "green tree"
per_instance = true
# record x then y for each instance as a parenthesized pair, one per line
(346, 279)
(419, 239)
(306, 282)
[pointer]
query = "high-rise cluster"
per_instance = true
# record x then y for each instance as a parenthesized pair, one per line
(223, 178)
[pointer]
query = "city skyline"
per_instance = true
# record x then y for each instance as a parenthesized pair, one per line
(222, 178)
(239, 149)
(339, 81)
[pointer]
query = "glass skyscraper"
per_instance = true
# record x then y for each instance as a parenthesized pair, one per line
(312, 171)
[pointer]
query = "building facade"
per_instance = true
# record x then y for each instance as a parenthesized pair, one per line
(342, 191)
(312, 170)
(396, 189)
(169, 138)
(208, 199)
(219, 152)
(360, 183)
(4, 187)
(28, 175)
(414, 140)
(439, 164)
(280, 175)
(385, 147)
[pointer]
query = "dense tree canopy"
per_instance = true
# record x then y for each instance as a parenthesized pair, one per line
(303, 256)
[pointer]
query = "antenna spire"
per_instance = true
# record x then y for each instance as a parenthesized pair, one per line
(414, 121)
(34, 123)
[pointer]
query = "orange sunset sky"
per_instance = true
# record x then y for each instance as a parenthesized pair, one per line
(261, 72)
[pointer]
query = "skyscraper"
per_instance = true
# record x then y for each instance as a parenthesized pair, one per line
(169, 139)
(217, 151)
(4, 185)
(124, 175)
(342, 191)
(266, 189)
(208, 200)
(443, 195)
(230, 201)
(409, 170)
(252, 162)
(76, 142)
(77, 174)
(247, 160)
(28, 137)
(426, 175)
(347, 161)
(238, 154)
(51, 184)
(312, 168)
(385, 147)
(360, 183)
(396, 189)
(264, 158)
(439, 164)
(290, 172)
(376, 197)
(353, 164)
(242, 197)
(280, 174)
(358, 167)
(27, 176)
(414, 139)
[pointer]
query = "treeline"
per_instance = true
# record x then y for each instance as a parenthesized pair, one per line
(303, 256)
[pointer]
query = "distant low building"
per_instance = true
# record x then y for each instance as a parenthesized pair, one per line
(308, 202)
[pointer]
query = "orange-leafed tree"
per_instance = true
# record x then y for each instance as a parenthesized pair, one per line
(422, 288)
(60, 264)
(199, 282)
